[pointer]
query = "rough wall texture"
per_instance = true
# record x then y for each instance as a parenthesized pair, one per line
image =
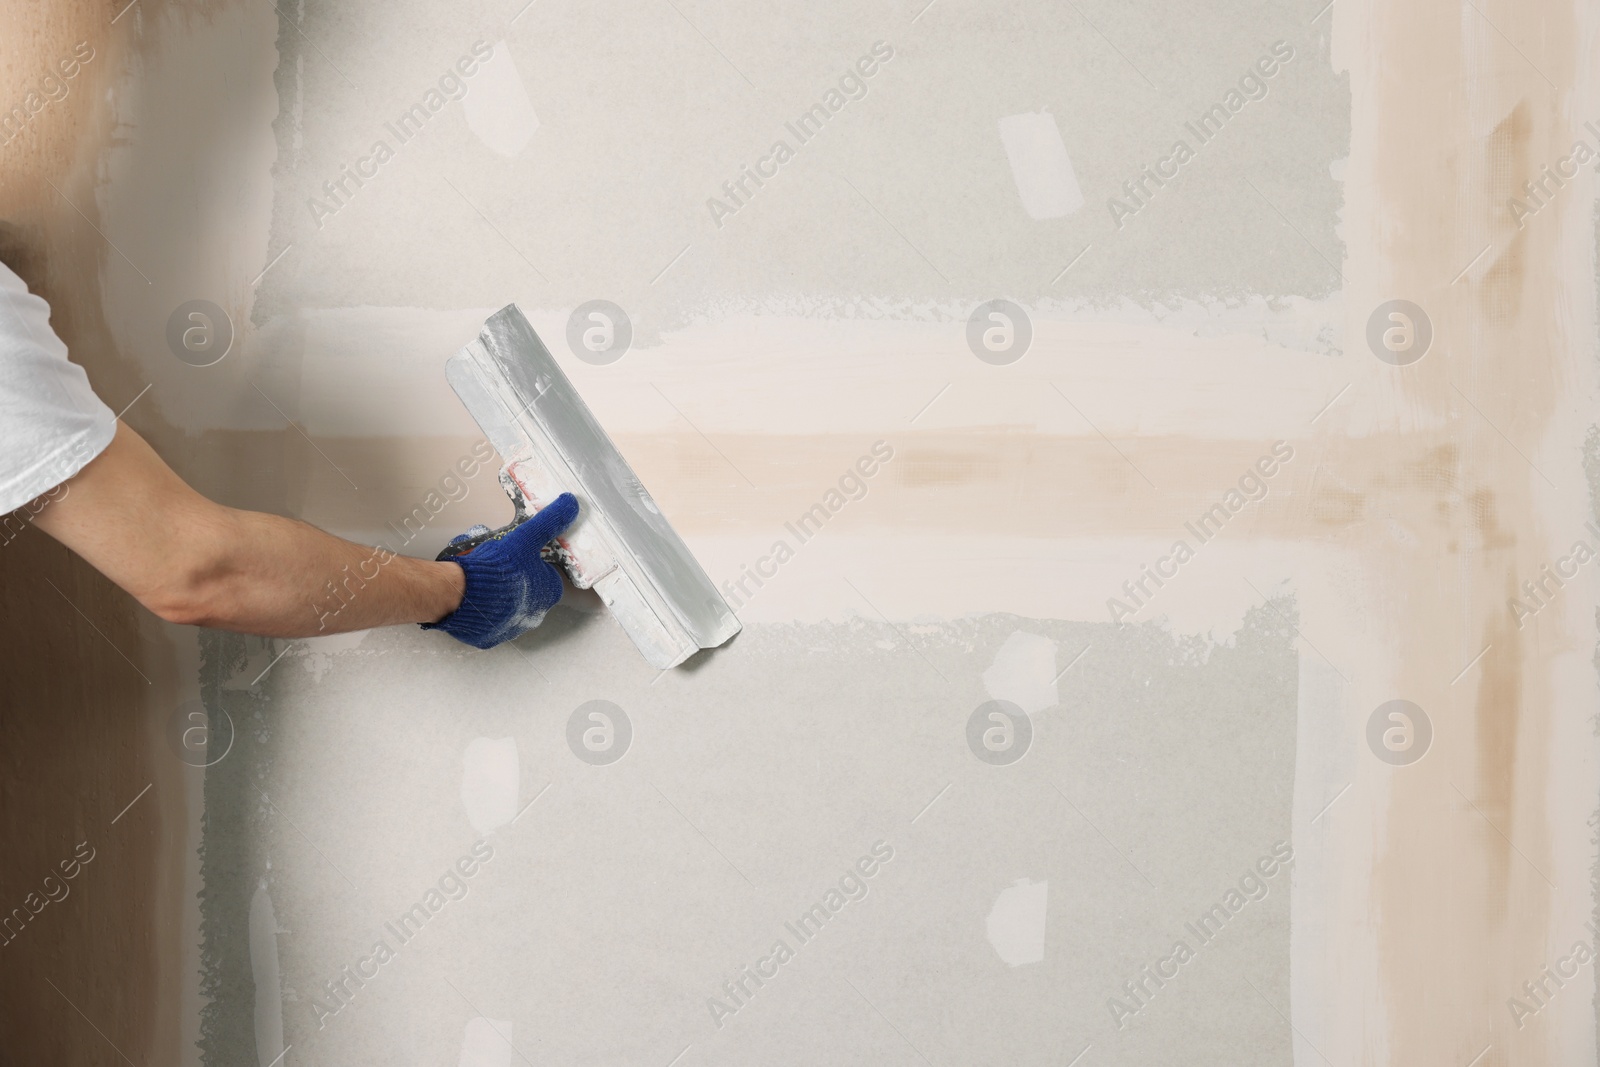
(1192, 335)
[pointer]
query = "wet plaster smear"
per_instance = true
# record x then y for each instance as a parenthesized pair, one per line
(996, 772)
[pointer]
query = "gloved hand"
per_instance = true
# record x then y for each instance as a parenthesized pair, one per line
(509, 588)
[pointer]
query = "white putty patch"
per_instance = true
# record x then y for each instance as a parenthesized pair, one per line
(1040, 165)
(1067, 578)
(316, 653)
(331, 643)
(497, 106)
(487, 1043)
(489, 780)
(264, 973)
(341, 386)
(1024, 672)
(1016, 922)
(1220, 372)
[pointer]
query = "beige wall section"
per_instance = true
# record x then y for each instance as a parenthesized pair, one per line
(1480, 858)
(90, 681)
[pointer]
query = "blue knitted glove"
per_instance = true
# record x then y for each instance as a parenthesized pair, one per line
(509, 587)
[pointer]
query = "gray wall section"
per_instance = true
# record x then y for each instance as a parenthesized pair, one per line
(624, 898)
(905, 198)
(619, 902)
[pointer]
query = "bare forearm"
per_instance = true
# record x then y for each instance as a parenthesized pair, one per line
(193, 561)
(281, 578)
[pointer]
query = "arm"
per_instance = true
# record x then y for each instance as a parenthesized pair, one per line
(195, 562)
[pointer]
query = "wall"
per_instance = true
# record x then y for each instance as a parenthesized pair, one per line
(1196, 341)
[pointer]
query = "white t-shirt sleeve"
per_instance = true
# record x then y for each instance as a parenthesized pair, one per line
(51, 423)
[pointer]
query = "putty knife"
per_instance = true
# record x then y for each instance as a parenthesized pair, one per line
(621, 546)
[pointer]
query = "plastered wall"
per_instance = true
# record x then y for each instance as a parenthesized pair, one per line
(1025, 375)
